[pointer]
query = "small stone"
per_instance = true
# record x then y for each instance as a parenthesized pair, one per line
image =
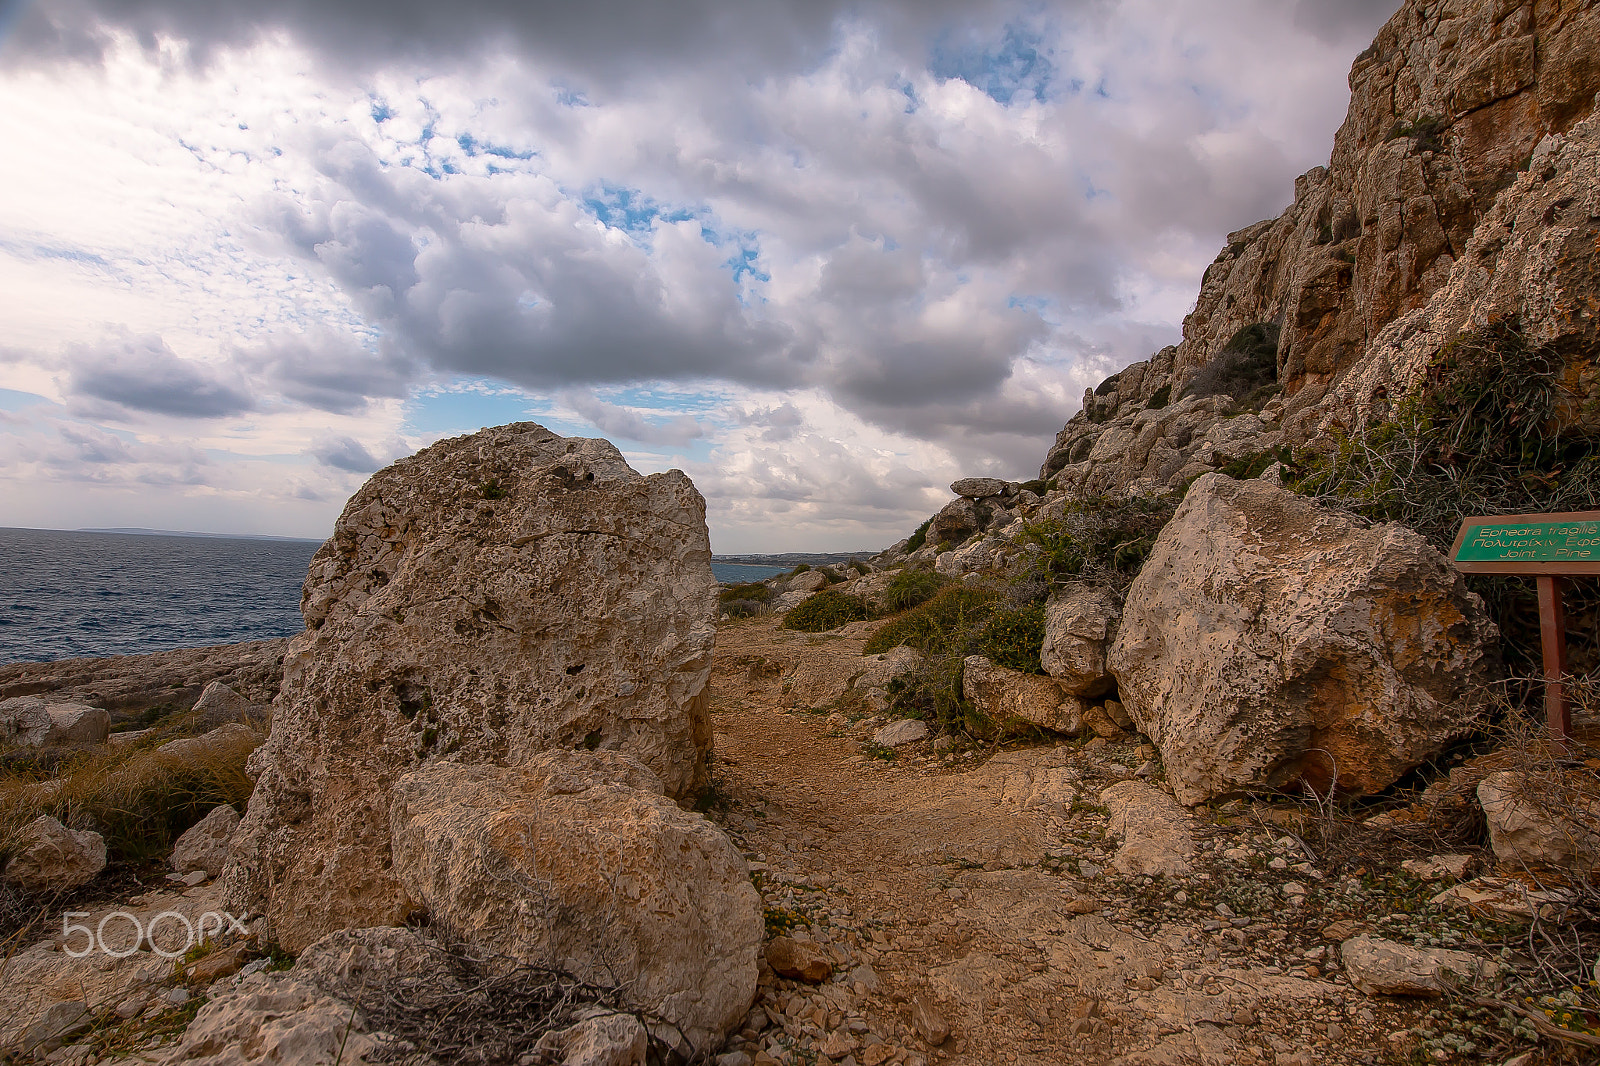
(733, 1058)
(798, 960)
(930, 1024)
(177, 997)
(899, 734)
(58, 1024)
(837, 1045)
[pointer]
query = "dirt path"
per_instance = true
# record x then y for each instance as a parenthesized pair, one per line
(985, 888)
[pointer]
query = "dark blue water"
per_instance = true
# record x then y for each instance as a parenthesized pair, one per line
(739, 573)
(65, 595)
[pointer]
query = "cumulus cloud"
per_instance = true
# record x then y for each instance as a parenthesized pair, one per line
(631, 424)
(344, 453)
(142, 374)
(894, 241)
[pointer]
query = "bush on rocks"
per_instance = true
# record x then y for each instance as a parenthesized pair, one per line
(826, 610)
(912, 587)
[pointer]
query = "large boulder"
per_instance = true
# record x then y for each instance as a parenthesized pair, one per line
(1269, 640)
(1080, 623)
(979, 488)
(577, 860)
(1005, 695)
(491, 597)
(47, 857)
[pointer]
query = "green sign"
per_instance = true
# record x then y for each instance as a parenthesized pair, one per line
(1533, 542)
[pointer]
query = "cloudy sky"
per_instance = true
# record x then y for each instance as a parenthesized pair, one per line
(824, 256)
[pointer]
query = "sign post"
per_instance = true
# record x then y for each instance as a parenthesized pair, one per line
(1549, 548)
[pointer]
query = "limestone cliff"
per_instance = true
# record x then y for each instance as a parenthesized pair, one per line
(1461, 190)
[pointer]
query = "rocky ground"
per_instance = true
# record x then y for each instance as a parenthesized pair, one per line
(1028, 901)
(1048, 904)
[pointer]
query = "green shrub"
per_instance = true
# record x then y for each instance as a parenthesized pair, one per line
(911, 587)
(920, 537)
(1159, 399)
(950, 615)
(1038, 486)
(1013, 637)
(744, 608)
(859, 567)
(826, 610)
(754, 590)
(1246, 364)
(802, 568)
(1098, 535)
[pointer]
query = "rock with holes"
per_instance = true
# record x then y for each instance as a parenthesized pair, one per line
(578, 860)
(491, 597)
(1269, 640)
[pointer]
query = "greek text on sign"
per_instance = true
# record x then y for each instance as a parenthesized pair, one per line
(1529, 543)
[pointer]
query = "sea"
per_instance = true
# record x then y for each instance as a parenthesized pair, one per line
(65, 595)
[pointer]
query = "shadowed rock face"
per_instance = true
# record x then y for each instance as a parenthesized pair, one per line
(489, 598)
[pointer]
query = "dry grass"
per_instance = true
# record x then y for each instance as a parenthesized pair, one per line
(140, 800)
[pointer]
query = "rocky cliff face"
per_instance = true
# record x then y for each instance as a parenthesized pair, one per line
(1461, 190)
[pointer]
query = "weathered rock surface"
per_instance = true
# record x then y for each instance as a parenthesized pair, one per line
(128, 685)
(77, 723)
(799, 960)
(808, 581)
(35, 722)
(204, 845)
(24, 722)
(579, 860)
(977, 488)
(604, 1040)
(49, 857)
(1080, 624)
(489, 598)
(899, 734)
(274, 1018)
(1269, 640)
(1005, 695)
(1383, 968)
(1155, 831)
(221, 740)
(220, 705)
(1535, 821)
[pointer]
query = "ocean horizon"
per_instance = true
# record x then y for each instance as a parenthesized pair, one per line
(68, 594)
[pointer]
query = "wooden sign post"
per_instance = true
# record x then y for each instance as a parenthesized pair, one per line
(1550, 548)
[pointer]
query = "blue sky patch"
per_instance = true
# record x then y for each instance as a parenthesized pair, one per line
(12, 400)
(465, 406)
(631, 210)
(1018, 64)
